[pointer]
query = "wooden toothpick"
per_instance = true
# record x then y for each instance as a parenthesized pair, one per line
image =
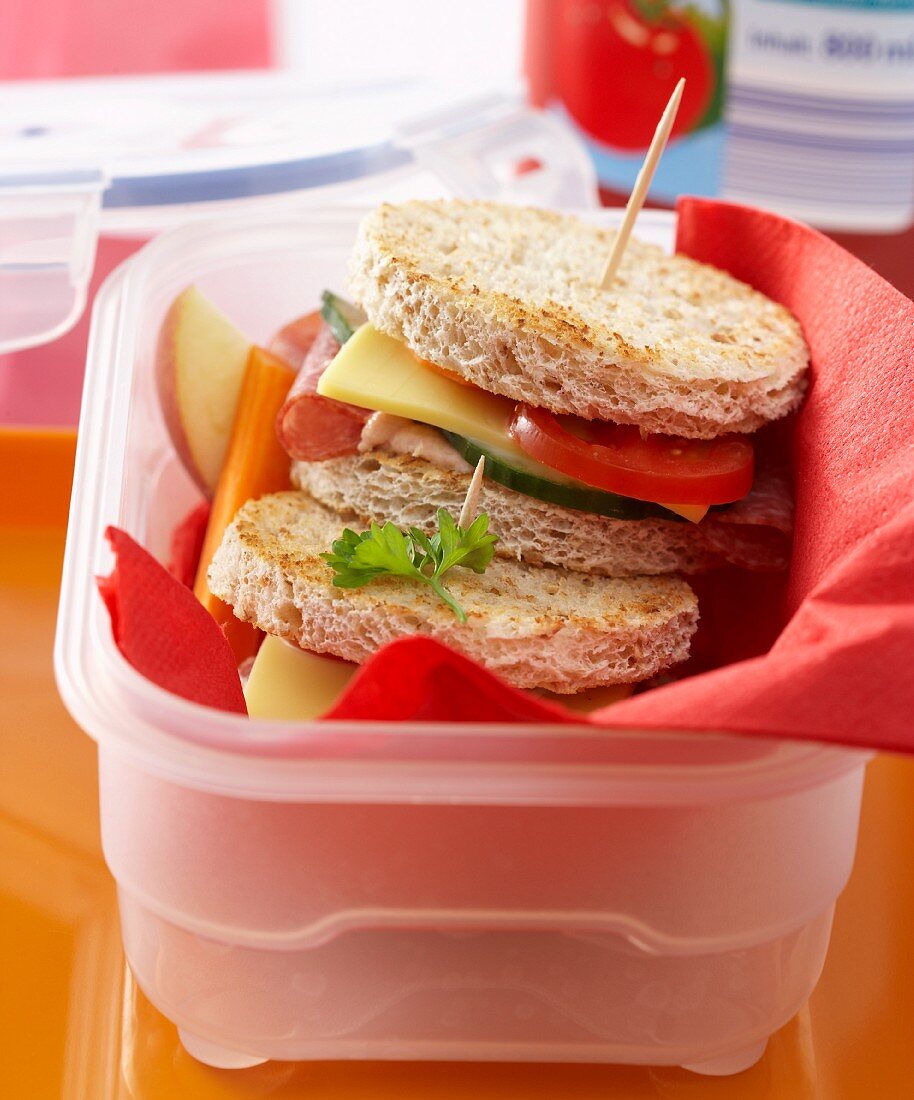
(642, 185)
(468, 511)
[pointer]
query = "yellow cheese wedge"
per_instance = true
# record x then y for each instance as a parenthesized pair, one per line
(694, 513)
(594, 699)
(288, 683)
(377, 372)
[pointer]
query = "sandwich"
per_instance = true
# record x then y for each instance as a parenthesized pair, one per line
(613, 429)
(539, 627)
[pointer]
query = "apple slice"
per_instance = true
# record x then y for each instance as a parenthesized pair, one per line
(200, 361)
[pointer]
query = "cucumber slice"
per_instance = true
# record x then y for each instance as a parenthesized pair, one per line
(343, 317)
(568, 494)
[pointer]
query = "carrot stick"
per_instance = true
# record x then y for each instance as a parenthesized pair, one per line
(255, 464)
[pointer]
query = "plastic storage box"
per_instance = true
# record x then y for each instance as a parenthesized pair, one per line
(339, 890)
(92, 169)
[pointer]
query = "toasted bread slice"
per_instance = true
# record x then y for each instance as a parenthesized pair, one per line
(509, 298)
(538, 627)
(409, 491)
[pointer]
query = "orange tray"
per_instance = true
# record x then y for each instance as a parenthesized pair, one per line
(74, 1027)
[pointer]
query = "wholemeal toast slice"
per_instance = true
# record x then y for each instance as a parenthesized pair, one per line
(509, 299)
(408, 491)
(538, 627)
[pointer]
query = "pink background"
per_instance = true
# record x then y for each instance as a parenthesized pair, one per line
(47, 39)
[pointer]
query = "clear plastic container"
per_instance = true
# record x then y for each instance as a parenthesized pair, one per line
(90, 170)
(360, 890)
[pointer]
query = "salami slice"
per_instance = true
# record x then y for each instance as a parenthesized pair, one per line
(311, 427)
(293, 342)
(755, 532)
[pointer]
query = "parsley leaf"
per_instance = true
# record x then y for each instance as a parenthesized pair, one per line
(358, 559)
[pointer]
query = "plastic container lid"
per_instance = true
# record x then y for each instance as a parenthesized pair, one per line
(133, 156)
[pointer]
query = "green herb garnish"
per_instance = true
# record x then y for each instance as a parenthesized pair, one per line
(358, 559)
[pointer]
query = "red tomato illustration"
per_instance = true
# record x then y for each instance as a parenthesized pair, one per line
(618, 62)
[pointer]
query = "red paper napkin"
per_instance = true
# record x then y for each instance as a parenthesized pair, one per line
(187, 544)
(840, 670)
(164, 632)
(841, 621)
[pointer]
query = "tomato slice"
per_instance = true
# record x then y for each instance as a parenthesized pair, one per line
(616, 457)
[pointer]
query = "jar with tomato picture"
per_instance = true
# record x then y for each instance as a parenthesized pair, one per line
(805, 107)
(608, 68)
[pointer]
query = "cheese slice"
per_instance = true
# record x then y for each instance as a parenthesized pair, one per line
(288, 683)
(377, 372)
(593, 699)
(694, 513)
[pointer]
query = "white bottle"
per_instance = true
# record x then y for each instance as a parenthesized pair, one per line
(820, 111)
